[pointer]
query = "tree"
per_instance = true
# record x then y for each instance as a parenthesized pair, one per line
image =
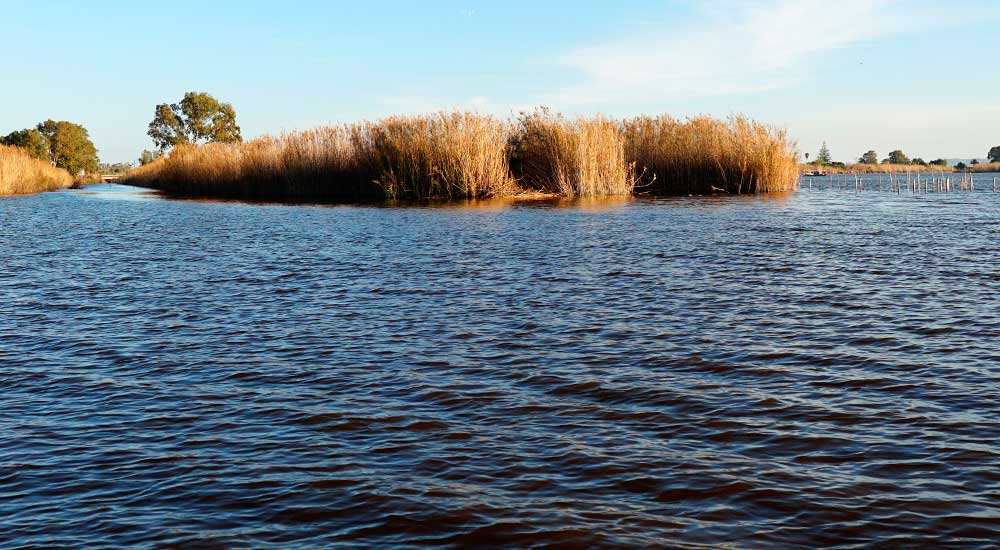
(994, 154)
(975, 162)
(198, 118)
(69, 146)
(29, 139)
(116, 168)
(824, 156)
(148, 156)
(939, 162)
(919, 161)
(898, 157)
(960, 166)
(871, 157)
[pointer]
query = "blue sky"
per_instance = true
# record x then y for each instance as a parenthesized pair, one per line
(860, 74)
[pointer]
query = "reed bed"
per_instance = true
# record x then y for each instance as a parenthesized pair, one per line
(20, 173)
(469, 155)
(462, 155)
(581, 157)
(706, 155)
(318, 163)
(447, 155)
(984, 167)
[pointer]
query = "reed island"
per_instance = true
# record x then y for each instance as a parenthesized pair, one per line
(472, 155)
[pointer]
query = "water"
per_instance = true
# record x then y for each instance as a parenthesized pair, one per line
(799, 371)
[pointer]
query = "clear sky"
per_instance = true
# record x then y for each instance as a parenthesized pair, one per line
(860, 74)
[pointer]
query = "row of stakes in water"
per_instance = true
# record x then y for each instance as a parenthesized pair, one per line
(897, 183)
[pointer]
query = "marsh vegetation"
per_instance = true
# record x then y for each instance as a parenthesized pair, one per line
(472, 155)
(22, 173)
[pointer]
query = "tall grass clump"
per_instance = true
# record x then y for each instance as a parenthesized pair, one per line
(318, 163)
(580, 157)
(445, 155)
(450, 155)
(984, 167)
(706, 155)
(21, 173)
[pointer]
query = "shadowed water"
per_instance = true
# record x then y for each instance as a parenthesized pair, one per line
(808, 370)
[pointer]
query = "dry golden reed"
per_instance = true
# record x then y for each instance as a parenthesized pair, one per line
(984, 167)
(20, 173)
(706, 155)
(470, 155)
(581, 157)
(446, 155)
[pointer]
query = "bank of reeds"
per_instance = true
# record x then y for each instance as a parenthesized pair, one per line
(447, 155)
(705, 155)
(580, 157)
(983, 167)
(20, 173)
(469, 155)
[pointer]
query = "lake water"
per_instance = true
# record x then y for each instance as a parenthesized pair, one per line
(796, 371)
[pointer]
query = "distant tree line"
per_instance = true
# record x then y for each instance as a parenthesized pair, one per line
(115, 168)
(64, 144)
(897, 157)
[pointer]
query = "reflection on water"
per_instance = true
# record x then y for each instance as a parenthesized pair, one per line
(809, 370)
(116, 192)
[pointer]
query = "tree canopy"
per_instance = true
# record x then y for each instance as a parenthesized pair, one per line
(994, 154)
(148, 156)
(871, 157)
(29, 139)
(898, 157)
(69, 146)
(824, 156)
(198, 118)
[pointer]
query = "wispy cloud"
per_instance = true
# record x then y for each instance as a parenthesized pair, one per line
(729, 47)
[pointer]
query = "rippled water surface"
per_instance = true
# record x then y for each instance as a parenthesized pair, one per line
(809, 370)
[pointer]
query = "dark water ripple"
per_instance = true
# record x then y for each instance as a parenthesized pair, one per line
(813, 370)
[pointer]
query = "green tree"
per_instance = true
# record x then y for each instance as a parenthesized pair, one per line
(148, 156)
(871, 157)
(939, 162)
(919, 161)
(994, 154)
(69, 146)
(960, 166)
(30, 139)
(824, 156)
(975, 162)
(898, 157)
(198, 118)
